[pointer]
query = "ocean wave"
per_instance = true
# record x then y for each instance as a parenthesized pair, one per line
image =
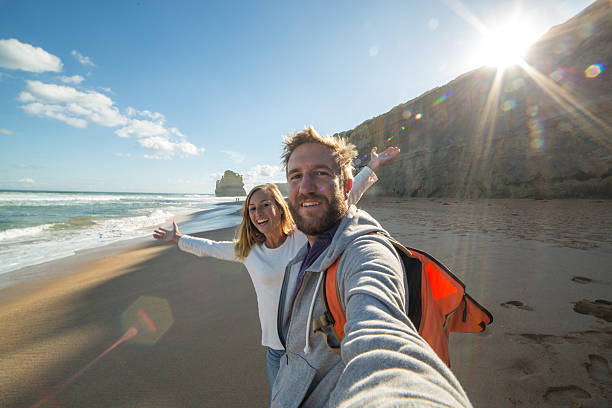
(19, 233)
(11, 199)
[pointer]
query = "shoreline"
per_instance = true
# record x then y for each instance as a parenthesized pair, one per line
(36, 271)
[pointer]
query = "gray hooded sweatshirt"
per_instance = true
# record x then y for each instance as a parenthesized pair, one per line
(383, 361)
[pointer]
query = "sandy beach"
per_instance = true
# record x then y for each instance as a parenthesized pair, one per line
(149, 326)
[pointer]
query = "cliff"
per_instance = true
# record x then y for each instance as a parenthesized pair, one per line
(230, 185)
(540, 130)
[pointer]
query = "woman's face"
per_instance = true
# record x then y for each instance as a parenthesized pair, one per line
(264, 213)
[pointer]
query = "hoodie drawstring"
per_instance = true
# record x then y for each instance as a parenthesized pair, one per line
(314, 298)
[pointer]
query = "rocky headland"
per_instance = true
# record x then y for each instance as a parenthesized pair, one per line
(541, 129)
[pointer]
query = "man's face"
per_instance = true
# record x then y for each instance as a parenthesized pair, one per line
(316, 198)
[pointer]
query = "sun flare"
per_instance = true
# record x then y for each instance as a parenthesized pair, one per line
(505, 45)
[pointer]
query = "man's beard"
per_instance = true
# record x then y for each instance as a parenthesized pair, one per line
(336, 210)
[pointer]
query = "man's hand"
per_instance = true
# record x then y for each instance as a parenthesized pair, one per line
(168, 235)
(377, 160)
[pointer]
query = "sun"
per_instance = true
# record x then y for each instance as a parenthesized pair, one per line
(505, 45)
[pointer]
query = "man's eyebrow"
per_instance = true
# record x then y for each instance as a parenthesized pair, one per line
(315, 167)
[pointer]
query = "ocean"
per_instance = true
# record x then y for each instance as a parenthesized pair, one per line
(39, 226)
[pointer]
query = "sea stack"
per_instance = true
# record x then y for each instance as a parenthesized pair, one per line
(230, 185)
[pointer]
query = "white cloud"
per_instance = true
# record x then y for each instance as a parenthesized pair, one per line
(17, 55)
(152, 115)
(70, 105)
(82, 59)
(123, 154)
(236, 157)
(142, 128)
(26, 180)
(263, 173)
(79, 108)
(166, 148)
(55, 112)
(154, 135)
(6, 132)
(156, 157)
(107, 90)
(75, 79)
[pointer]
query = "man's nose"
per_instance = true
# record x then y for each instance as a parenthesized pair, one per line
(307, 184)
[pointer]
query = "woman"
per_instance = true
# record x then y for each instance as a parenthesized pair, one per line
(266, 241)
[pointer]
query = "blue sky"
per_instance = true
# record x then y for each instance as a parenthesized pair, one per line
(159, 96)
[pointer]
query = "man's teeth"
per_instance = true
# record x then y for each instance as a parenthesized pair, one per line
(309, 204)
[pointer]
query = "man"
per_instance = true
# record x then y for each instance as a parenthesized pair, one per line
(383, 360)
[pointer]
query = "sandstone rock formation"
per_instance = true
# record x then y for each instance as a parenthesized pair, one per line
(230, 185)
(540, 130)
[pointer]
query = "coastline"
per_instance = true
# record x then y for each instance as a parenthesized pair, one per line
(540, 276)
(194, 222)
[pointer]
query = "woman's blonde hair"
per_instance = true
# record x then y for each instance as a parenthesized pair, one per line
(247, 234)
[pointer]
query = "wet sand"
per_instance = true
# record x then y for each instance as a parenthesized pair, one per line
(543, 269)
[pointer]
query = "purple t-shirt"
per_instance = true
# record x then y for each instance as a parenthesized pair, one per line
(321, 243)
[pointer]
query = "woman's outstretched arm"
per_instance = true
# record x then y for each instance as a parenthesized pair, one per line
(196, 246)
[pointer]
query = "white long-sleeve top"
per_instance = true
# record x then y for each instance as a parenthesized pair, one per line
(266, 266)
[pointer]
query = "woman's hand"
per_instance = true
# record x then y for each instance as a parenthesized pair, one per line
(377, 160)
(168, 235)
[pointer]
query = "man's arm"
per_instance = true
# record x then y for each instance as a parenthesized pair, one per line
(387, 362)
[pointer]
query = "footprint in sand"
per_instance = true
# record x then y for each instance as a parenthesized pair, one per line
(598, 368)
(521, 367)
(599, 308)
(581, 279)
(565, 393)
(516, 303)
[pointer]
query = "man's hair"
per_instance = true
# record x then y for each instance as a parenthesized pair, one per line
(247, 234)
(342, 151)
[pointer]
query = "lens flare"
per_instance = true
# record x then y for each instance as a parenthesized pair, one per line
(537, 143)
(389, 139)
(406, 114)
(403, 128)
(562, 48)
(536, 131)
(533, 110)
(129, 334)
(594, 70)
(556, 75)
(508, 104)
(442, 98)
(518, 83)
(152, 315)
(418, 116)
(535, 128)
